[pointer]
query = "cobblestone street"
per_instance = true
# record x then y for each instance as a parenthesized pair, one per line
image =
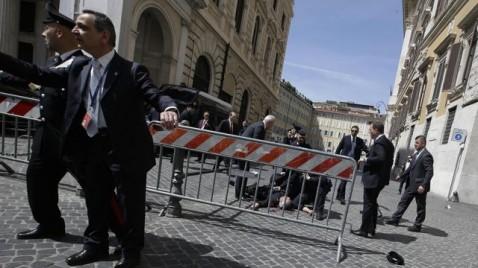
(213, 237)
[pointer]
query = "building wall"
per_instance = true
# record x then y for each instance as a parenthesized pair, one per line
(294, 109)
(10, 17)
(449, 34)
(336, 120)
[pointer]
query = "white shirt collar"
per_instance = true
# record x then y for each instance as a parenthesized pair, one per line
(378, 137)
(68, 54)
(106, 59)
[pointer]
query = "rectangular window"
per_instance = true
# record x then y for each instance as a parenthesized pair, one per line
(410, 136)
(326, 133)
(452, 66)
(439, 78)
(442, 5)
(427, 126)
(469, 59)
(329, 144)
(331, 133)
(449, 123)
(27, 17)
(414, 97)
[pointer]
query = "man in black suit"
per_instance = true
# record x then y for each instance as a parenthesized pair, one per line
(290, 138)
(205, 123)
(352, 146)
(376, 174)
(105, 131)
(417, 178)
(228, 126)
(255, 131)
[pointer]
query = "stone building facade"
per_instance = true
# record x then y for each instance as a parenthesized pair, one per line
(233, 50)
(335, 120)
(294, 109)
(436, 91)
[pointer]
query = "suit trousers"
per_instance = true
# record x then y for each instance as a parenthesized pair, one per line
(405, 201)
(370, 209)
(241, 182)
(44, 173)
(341, 190)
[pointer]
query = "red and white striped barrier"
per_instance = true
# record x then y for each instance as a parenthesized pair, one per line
(19, 106)
(258, 151)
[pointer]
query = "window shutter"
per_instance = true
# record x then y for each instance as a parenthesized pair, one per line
(452, 64)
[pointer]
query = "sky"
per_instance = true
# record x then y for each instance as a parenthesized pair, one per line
(344, 50)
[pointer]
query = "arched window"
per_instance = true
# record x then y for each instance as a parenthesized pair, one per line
(268, 51)
(255, 35)
(276, 61)
(239, 13)
(202, 74)
(244, 106)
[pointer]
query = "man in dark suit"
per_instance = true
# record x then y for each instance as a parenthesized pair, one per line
(228, 126)
(105, 131)
(290, 138)
(205, 123)
(417, 178)
(376, 174)
(352, 146)
(255, 131)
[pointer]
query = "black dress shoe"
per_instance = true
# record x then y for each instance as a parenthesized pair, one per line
(360, 233)
(86, 256)
(320, 216)
(392, 222)
(128, 262)
(39, 233)
(415, 228)
(342, 202)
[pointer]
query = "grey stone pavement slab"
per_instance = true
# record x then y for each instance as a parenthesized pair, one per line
(210, 236)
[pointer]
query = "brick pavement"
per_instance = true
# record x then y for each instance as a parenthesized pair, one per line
(213, 237)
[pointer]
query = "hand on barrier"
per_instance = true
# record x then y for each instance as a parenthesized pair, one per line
(169, 119)
(155, 126)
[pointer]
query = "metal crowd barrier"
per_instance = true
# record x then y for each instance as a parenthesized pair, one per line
(17, 117)
(261, 162)
(203, 181)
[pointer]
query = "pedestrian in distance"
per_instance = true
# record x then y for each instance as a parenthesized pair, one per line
(376, 175)
(417, 179)
(352, 146)
(256, 130)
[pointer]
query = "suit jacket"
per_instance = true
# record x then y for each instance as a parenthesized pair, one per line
(376, 172)
(127, 85)
(345, 146)
(224, 127)
(419, 172)
(208, 125)
(52, 108)
(255, 131)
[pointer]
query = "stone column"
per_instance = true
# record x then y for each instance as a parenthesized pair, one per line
(9, 26)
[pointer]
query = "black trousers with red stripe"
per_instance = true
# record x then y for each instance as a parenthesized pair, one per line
(45, 170)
